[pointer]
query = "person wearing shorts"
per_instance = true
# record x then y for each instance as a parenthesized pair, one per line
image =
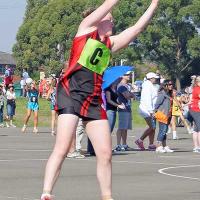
(195, 113)
(146, 109)
(124, 114)
(79, 92)
(32, 106)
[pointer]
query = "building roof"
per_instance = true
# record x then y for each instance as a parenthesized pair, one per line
(6, 59)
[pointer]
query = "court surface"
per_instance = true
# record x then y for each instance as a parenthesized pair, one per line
(140, 175)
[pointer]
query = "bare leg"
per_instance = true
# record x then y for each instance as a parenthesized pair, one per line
(149, 131)
(67, 124)
(35, 119)
(119, 136)
(27, 116)
(124, 136)
(195, 140)
(53, 120)
(173, 123)
(99, 133)
(198, 139)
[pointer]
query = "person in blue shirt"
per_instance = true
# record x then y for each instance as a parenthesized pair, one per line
(32, 106)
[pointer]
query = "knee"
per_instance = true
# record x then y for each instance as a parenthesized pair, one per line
(105, 155)
(60, 152)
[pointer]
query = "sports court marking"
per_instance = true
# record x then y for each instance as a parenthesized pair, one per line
(40, 150)
(94, 160)
(16, 198)
(162, 171)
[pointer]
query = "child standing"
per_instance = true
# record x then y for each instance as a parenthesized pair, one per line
(32, 106)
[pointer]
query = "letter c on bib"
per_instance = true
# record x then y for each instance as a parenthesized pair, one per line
(94, 58)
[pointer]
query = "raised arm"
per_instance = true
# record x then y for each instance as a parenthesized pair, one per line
(124, 38)
(92, 19)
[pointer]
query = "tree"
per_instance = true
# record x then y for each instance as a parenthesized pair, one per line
(172, 39)
(47, 26)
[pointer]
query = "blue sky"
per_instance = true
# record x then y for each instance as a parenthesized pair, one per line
(11, 17)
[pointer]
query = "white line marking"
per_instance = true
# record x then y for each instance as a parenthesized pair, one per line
(161, 171)
(41, 150)
(93, 160)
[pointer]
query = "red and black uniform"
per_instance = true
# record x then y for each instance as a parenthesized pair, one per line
(79, 91)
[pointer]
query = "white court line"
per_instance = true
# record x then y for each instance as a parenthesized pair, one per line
(93, 160)
(161, 171)
(16, 198)
(43, 150)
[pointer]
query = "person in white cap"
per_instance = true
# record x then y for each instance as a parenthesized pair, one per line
(146, 109)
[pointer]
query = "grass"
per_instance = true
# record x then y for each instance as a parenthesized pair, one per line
(45, 113)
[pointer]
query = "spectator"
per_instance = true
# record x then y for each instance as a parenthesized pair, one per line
(51, 95)
(163, 113)
(146, 109)
(125, 114)
(8, 78)
(112, 105)
(2, 100)
(195, 113)
(11, 105)
(25, 74)
(177, 113)
(23, 88)
(75, 150)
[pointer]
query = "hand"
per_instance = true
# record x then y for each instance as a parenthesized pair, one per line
(152, 115)
(121, 106)
(155, 1)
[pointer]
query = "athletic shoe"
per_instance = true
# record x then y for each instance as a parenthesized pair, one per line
(125, 147)
(160, 149)
(168, 150)
(35, 130)
(190, 131)
(12, 125)
(117, 148)
(140, 144)
(196, 150)
(53, 133)
(1, 125)
(75, 154)
(24, 128)
(46, 196)
(7, 125)
(152, 147)
(175, 138)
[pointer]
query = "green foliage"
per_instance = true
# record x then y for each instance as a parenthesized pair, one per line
(171, 40)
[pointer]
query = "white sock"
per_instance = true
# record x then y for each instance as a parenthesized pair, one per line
(174, 134)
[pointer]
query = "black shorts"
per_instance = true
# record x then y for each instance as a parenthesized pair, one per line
(80, 95)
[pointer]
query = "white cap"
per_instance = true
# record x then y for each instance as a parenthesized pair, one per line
(128, 72)
(151, 75)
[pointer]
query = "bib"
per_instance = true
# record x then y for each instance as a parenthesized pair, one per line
(95, 56)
